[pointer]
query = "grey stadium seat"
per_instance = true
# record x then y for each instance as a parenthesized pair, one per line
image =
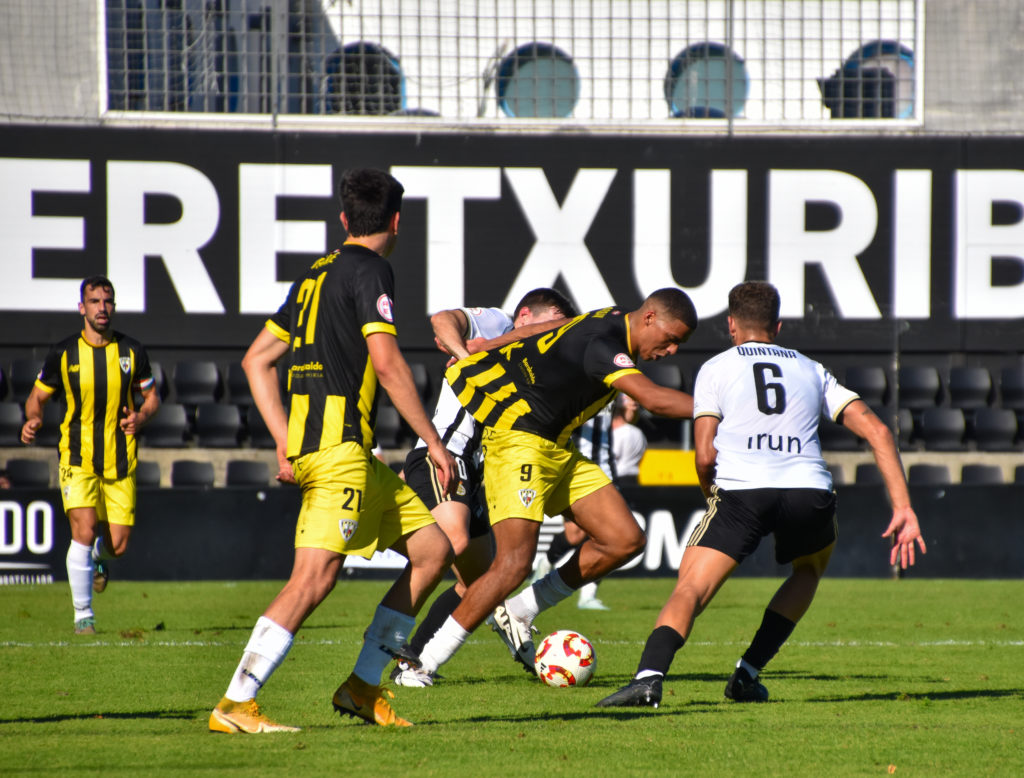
(247, 472)
(147, 473)
(941, 429)
(196, 381)
(867, 473)
(238, 386)
(970, 388)
(168, 428)
(259, 435)
(218, 425)
(928, 475)
(868, 381)
(23, 377)
(11, 422)
(994, 429)
(28, 472)
(987, 475)
(919, 386)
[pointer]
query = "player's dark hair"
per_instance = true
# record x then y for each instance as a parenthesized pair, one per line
(540, 299)
(369, 198)
(92, 282)
(756, 303)
(675, 303)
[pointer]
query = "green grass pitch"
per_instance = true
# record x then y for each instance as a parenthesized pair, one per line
(911, 677)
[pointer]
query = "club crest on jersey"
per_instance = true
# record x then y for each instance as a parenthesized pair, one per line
(126, 364)
(347, 528)
(460, 491)
(384, 308)
(623, 360)
(526, 496)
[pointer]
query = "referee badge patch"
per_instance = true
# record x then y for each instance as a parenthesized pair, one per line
(126, 364)
(348, 528)
(526, 496)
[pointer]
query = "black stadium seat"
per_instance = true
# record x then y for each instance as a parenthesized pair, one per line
(868, 381)
(987, 475)
(247, 472)
(196, 381)
(259, 435)
(994, 429)
(49, 434)
(218, 425)
(919, 387)
(1011, 387)
(160, 378)
(11, 422)
(867, 473)
(191, 472)
(23, 377)
(147, 473)
(389, 427)
(28, 472)
(421, 378)
(238, 386)
(3, 383)
(941, 429)
(928, 475)
(836, 437)
(168, 428)
(970, 388)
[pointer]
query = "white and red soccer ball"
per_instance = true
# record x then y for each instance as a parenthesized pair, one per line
(565, 658)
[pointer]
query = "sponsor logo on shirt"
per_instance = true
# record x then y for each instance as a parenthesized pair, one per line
(384, 308)
(623, 360)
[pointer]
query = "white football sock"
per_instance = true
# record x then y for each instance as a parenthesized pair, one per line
(99, 550)
(385, 635)
(549, 590)
(751, 670)
(267, 647)
(440, 648)
(588, 591)
(79, 562)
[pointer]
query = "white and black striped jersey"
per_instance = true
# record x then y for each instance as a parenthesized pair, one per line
(454, 423)
(769, 400)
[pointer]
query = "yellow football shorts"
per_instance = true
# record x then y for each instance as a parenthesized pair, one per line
(113, 499)
(526, 476)
(353, 503)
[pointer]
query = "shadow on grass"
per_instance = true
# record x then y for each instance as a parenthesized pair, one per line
(188, 715)
(934, 696)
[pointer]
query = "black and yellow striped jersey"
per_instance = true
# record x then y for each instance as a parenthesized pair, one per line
(97, 382)
(547, 384)
(329, 312)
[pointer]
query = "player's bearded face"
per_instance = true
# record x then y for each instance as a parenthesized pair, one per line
(98, 309)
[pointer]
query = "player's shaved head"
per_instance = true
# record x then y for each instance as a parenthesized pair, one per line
(675, 304)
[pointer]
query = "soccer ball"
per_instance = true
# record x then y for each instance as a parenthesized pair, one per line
(565, 658)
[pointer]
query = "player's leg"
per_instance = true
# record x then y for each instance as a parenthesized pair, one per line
(116, 517)
(80, 567)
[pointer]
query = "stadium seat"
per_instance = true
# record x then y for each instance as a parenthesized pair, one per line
(868, 381)
(837, 474)
(1011, 387)
(1018, 474)
(970, 388)
(867, 473)
(218, 425)
(49, 434)
(238, 386)
(901, 426)
(11, 422)
(3, 383)
(919, 387)
(247, 472)
(665, 374)
(941, 429)
(196, 381)
(147, 473)
(28, 472)
(259, 435)
(981, 474)
(835, 437)
(389, 427)
(923, 474)
(23, 377)
(994, 429)
(191, 472)
(168, 428)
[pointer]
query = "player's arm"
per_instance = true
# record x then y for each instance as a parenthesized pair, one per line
(450, 329)
(37, 398)
(132, 421)
(260, 366)
(705, 454)
(519, 333)
(904, 528)
(394, 375)
(657, 399)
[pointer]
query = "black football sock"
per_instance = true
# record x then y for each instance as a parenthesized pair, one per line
(560, 546)
(775, 629)
(660, 650)
(439, 612)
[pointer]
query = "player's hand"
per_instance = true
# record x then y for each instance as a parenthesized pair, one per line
(285, 474)
(474, 345)
(129, 423)
(904, 531)
(447, 470)
(28, 431)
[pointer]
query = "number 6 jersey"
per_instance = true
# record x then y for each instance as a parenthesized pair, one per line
(769, 400)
